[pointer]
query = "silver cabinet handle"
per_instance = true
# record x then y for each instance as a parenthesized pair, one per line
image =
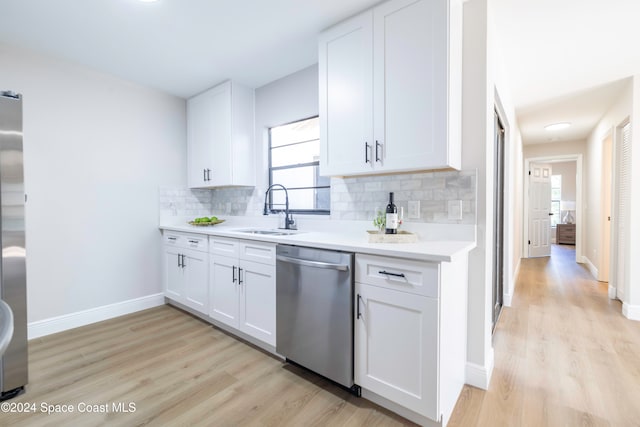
(316, 264)
(233, 275)
(240, 276)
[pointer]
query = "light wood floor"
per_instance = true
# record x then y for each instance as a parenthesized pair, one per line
(564, 354)
(178, 371)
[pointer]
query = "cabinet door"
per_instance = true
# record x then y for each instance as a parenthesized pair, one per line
(258, 301)
(396, 344)
(196, 283)
(346, 96)
(410, 84)
(199, 133)
(220, 137)
(173, 276)
(224, 289)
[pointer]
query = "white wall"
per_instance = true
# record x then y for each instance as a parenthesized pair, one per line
(96, 148)
(485, 86)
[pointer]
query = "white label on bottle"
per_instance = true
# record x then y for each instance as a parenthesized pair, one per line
(392, 221)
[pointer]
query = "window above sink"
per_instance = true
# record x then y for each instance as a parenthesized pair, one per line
(294, 155)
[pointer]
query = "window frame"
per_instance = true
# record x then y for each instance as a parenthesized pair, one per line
(271, 168)
(558, 220)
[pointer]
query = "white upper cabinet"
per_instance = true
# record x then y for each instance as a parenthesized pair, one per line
(220, 137)
(390, 89)
(346, 97)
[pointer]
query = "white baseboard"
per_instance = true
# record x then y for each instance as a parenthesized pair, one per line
(53, 325)
(592, 268)
(480, 376)
(611, 290)
(631, 312)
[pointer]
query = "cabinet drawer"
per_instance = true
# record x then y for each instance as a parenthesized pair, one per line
(172, 239)
(224, 246)
(264, 253)
(400, 274)
(197, 242)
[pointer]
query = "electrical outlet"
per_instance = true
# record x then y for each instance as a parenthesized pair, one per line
(455, 209)
(414, 209)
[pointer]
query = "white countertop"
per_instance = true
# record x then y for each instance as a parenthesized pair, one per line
(352, 239)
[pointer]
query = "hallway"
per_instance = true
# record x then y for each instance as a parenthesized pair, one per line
(564, 354)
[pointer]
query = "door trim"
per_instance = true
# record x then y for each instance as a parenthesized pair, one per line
(578, 158)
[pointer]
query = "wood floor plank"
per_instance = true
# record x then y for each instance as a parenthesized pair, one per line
(564, 348)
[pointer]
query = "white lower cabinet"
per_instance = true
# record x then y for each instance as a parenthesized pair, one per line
(243, 290)
(258, 301)
(411, 334)
(395, 347)
(186, 270)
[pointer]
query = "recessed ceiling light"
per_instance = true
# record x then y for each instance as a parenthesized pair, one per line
(557, 126)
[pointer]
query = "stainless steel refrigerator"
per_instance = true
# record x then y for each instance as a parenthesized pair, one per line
(13, 289)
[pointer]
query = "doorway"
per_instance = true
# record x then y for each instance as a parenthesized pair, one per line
(576, 208)
(605, 219)
(498, 219)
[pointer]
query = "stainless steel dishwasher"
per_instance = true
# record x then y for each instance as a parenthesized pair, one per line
(314, 306)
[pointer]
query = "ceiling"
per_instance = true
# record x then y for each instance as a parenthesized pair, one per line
(179, 46)
(561, 58)
(564, 59)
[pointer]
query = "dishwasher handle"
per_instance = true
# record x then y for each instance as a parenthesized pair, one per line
(316, 264)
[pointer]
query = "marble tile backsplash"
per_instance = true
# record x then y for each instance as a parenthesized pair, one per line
(354, 198)
(359, 198)
(184, 202)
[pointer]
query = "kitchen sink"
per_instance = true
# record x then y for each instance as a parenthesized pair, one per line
(268, 232)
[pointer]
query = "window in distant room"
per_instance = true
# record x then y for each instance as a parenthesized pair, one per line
(294, 158)
(556, 196)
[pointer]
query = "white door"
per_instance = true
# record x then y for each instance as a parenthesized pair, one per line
(224, 289)
(539, 210)
(258, 301)
(346, 97)
(173, 276)
(196, 282)
(410, 84)
(395, 355)
(619, 269)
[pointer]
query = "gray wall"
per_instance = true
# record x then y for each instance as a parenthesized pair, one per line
(96, 148)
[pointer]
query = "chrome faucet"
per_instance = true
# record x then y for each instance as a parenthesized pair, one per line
(289, 222)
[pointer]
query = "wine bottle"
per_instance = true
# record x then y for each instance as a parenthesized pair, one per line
(392, 217)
